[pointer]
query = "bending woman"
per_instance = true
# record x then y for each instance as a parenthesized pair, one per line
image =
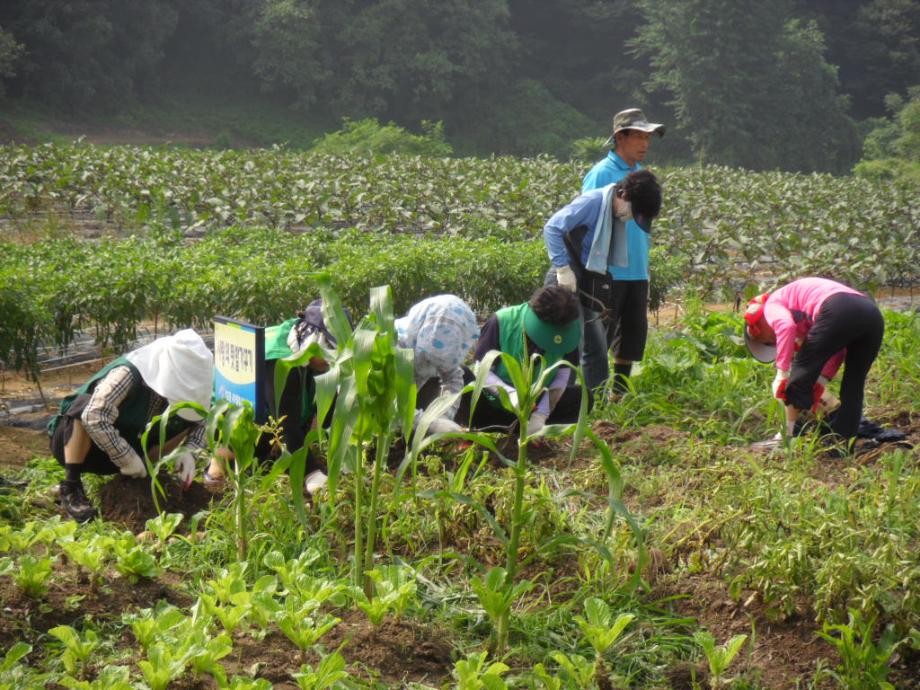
(809, 328)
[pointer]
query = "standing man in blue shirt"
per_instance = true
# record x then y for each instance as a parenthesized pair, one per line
(622, 322)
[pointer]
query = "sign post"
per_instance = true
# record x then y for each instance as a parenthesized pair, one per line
(239, 364)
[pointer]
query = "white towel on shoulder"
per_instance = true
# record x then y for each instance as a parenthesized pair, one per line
(608, 230)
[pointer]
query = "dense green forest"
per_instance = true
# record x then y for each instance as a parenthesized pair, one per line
(787, 84)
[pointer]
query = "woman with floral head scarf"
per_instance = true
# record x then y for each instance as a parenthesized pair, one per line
(441, 331)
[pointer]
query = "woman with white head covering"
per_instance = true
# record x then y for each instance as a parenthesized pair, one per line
(98, 428)
(441, 331)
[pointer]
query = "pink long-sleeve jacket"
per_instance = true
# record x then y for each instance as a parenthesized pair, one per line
(791, 312)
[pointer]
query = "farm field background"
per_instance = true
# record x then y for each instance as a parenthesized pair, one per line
(682, 526)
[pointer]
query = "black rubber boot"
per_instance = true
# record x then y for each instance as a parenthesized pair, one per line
(75, 502)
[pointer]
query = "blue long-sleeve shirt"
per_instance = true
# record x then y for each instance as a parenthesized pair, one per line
(584, 210)
(607, 171)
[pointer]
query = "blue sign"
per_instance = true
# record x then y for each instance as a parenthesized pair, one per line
(239, 363)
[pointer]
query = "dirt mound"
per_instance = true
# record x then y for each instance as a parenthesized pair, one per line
(129, 502)
(70, 598)
(784, 651)
(399, 650)
(394, 653)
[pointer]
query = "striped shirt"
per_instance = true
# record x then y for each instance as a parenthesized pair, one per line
(101, 412)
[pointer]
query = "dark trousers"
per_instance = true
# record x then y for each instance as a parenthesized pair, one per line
(844, 321)
(293, 429)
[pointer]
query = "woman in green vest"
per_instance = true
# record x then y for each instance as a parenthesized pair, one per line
(98, 429)
(548, 324)
(296, 405)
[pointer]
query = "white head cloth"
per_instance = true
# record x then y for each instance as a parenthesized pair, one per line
(441, 330)
(177, 367)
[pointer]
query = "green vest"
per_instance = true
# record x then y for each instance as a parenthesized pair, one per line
(276, 346)
(511, 339)
(132, 412)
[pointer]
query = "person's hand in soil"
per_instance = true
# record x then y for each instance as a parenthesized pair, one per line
(131, 466)
(185, 469)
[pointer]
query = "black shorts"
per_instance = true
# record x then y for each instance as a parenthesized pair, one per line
(97, 461)
(627, 328)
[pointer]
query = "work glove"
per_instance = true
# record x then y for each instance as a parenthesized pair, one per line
(440, 425)
(779, 385)
(825, 401)
(565, 276)
(315, 481)
(537, 422)
(185, 468)
(132, 466)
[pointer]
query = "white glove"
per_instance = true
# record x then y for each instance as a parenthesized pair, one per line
(565, 276)
(132, 466)
(315, 481)
(440, 425)
(781, 376)
(185, 468)
(537, 422)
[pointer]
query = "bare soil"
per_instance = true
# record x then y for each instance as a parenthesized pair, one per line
(70, 598)
(129, 502)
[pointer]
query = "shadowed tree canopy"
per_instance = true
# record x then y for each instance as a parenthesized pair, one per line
(748, 86)
(738, 81)
(88, 54)
(403, 59)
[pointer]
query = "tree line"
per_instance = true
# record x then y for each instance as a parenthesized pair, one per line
(788, 84)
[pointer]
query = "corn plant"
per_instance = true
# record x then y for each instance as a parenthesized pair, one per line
(719, 657)
(329, 674)
(530, 379)
(601, 630)
(863, 663)
(375, 385)
(32, 575)
(394, 588)
(233, 427)
(474, 673)
(77, 648)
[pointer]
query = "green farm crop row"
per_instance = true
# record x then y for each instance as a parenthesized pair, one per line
(51, 288)
(733, 226)
(424, 226)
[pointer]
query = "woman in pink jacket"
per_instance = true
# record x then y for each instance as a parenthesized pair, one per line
(809, 327)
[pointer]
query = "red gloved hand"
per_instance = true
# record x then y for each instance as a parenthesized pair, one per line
(816, 394)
